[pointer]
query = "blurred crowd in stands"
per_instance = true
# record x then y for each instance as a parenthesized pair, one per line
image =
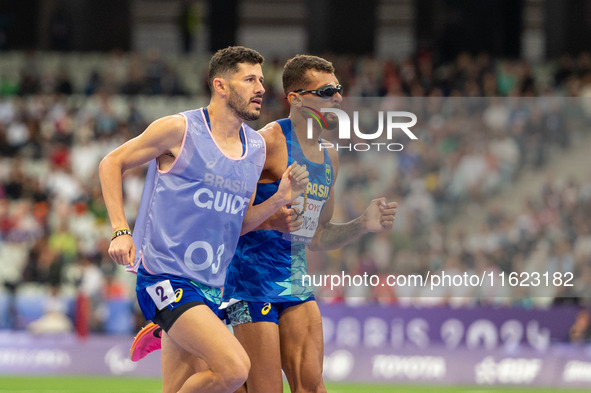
(484, 125)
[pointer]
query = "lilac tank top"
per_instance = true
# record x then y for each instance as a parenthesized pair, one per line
(190, 215)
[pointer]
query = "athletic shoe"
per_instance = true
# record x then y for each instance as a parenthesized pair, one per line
(146, 341)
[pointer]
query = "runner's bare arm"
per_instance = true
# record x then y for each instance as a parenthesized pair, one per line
(293, 182)
(379, 216)
(284, 219)
(162, 138)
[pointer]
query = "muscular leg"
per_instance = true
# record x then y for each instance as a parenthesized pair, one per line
(261, 342)
(199, 354)
(182, 364)
(302, 347)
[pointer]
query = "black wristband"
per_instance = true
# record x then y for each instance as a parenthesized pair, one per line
(120, 232)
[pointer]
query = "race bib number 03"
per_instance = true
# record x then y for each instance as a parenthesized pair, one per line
(162, 293)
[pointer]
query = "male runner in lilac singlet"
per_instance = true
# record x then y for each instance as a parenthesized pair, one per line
(197, 200)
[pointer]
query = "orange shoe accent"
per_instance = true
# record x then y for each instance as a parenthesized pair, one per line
(149, 339)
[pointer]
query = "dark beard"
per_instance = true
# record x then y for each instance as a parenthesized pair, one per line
(240, 106)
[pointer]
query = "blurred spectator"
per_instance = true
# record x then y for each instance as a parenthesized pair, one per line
(90, 308)
(580, 331)
(189, 22)
(60, 27)
(55, 319)
(63, 84)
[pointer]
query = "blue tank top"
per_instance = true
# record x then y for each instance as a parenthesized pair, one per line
(190, 215)
(268, 265)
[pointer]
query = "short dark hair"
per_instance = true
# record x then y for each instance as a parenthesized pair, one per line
(227, 60)
(294, 71)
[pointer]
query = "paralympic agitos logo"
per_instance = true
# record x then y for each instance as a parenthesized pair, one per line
(392, 120)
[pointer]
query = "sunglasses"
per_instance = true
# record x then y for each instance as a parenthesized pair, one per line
(324, 91)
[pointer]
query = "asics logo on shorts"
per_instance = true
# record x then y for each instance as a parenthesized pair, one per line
(179, 295)
(266, 308)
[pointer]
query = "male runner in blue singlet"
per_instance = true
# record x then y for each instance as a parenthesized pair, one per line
(274, 316)
(197, 200)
